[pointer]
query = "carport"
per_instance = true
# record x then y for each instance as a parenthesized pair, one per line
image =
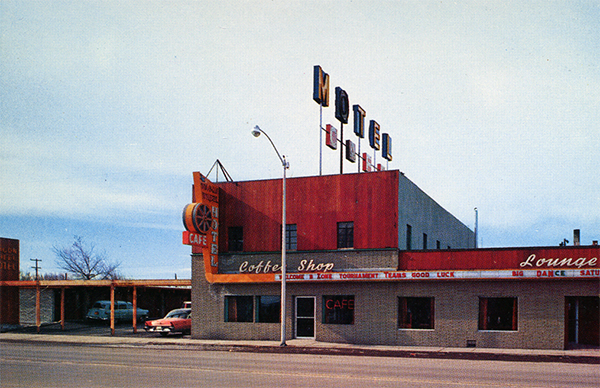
(112, 284)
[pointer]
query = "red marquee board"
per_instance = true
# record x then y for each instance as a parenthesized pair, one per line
(501, 258)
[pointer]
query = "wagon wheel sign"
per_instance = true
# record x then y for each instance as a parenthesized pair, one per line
(202, 218)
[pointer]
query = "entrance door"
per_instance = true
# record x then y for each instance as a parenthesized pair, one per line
(305, 317)
(582, 321)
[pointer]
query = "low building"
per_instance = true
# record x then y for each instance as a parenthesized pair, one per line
(371, 259)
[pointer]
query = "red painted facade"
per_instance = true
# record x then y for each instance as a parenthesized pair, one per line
(572, 257)
(315, 205)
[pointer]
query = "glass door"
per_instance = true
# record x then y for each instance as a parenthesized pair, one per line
(305, 317)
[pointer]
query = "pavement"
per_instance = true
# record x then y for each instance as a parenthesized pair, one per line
(124, 336)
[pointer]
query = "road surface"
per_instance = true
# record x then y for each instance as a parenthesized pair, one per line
(56, 365)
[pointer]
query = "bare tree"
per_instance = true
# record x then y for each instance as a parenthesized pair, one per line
(83, 263)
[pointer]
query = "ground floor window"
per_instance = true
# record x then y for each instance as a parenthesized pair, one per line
(338, 309)
(268, 309)
(416, 313)
(248, 308)
(498, 314)
(239, 308)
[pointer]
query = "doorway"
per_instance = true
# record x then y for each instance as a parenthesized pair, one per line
(305, 317)
(582, 321)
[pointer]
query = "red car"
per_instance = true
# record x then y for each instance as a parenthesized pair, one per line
(176, 321)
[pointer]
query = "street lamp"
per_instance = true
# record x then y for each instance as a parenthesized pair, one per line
(256, 133)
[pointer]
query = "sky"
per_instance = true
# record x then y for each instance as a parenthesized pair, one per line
(107, 107)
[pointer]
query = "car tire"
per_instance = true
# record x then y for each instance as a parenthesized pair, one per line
(164, 334)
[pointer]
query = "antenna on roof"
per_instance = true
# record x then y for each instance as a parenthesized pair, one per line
(220, 166)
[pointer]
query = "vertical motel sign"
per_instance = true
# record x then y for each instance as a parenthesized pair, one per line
(201, 221)
(377, 140)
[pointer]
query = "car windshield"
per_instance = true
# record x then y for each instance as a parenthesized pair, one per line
(178, 314)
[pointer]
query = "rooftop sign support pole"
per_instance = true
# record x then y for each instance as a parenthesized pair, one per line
(321, 97)
(320, 139)
(341, 148)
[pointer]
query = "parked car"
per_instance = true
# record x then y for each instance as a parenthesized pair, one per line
(176, 321)
(123, 311)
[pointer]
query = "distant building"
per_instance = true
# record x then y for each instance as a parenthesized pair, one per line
(371, 259)
(9, 270)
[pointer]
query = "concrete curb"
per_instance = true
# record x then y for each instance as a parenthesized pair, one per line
(403, 353)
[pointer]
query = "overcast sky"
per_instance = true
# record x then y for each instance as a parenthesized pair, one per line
(106, 108)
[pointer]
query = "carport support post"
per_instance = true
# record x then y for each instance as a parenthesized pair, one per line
(112, 308)
(134, 309)
(62, 308)
(38, 320)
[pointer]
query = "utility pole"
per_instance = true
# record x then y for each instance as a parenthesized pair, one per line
(37, 267)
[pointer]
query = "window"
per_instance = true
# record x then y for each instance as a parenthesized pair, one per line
(291, 237)
(236, 239)
(268, 309)
(424, 240)
(345, 236)
(408, 237)
(338, 309)
(239, 308)
(498, 314)
(416, 313)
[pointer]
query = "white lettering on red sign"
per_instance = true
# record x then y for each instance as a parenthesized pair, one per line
(558, 262)
(195, 239)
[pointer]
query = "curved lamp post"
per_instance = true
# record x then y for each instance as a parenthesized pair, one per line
(256, 133)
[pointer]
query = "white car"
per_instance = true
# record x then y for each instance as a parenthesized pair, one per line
(123, 311)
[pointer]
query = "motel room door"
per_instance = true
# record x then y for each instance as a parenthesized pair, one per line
(305, 317)
(582, 321)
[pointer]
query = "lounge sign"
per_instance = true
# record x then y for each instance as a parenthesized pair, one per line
(566, 262)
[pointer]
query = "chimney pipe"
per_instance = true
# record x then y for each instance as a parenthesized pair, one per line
(576, 237)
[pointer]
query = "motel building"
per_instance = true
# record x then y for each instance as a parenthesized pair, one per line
(372, 259)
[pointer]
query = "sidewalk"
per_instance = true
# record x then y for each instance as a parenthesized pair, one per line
(295, 346)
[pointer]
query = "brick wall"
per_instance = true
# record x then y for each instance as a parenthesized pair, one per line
(541, 311)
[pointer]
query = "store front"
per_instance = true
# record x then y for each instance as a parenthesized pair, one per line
(366, 288)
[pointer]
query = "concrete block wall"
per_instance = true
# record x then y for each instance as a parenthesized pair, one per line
(27, 306)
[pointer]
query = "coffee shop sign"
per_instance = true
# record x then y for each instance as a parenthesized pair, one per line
(268, 267)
